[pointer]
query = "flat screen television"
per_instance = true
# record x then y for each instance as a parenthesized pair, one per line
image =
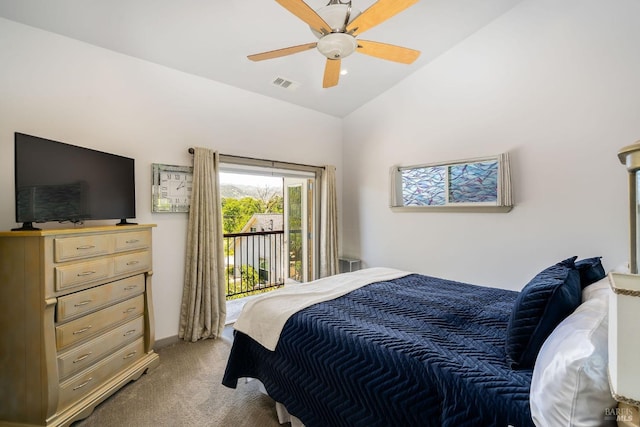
(60, 182)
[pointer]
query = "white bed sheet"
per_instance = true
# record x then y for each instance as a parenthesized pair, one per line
(264, 317)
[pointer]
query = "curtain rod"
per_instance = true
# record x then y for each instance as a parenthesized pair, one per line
(273, 162)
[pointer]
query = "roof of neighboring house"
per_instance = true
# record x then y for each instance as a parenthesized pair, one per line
(264, 222)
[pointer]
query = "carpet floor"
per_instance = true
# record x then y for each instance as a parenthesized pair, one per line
(185, 390)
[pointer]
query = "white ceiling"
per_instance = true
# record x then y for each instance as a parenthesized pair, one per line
(212, 38)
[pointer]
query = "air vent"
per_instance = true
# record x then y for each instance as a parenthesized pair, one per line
(285, 83)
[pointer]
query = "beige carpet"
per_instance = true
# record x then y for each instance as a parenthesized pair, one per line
(186, 390)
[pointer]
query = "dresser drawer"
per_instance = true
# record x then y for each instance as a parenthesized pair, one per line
(72, 275)
(131, 263)
(92, 324)
(132, 241)
(78, 386)
(70, 248)
(76, 304)
(80, 357)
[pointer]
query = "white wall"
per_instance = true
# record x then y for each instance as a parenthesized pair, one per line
(555, 83)
(68, 91)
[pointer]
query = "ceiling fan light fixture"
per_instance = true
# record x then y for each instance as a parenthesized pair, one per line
(337, 45)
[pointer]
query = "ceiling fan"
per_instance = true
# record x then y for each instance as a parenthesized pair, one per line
(337, 26)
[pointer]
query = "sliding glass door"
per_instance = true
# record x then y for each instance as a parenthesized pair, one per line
(293, 217)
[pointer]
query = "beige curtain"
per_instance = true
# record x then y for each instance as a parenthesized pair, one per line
(329, 224)
(203, 309)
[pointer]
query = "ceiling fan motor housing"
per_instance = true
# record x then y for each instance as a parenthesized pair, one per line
(335, 15)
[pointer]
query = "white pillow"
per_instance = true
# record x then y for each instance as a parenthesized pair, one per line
(599, 289)
(570, 386)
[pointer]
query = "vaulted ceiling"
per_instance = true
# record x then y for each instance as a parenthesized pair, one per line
(212, 39)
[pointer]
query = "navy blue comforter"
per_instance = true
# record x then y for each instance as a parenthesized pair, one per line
(414, 351)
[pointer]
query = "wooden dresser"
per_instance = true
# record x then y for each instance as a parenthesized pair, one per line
(76, 317)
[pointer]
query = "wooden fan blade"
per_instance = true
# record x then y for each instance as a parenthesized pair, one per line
(308, 15)
(331, 73)
(388, 51)
(379, 12)
(281, 52)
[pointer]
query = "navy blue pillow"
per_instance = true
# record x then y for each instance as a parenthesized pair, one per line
(591, 270)
(543, 303)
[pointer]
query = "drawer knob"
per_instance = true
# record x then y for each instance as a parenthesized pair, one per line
(130, 288)
(80, 304)
(132, 241)
(83, 384)
(130, 355)
(83, 330)
(85, 247)
(132, 331)
(134, 262)
(129, 310)
(81, 358)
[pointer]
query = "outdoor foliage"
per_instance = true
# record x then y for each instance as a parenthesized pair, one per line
(236, 212)
(249, 276)
(243, 280)
(249, 285)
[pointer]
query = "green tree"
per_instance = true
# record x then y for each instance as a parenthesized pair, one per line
(236, 212)
(275, 204)
(230, 214)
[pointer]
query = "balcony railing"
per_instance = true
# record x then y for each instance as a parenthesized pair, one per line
(254, 262)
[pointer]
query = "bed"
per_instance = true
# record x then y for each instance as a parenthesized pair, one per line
(407, 349)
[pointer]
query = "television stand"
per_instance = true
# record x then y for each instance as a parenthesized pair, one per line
(123, 221)
(26, 226)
